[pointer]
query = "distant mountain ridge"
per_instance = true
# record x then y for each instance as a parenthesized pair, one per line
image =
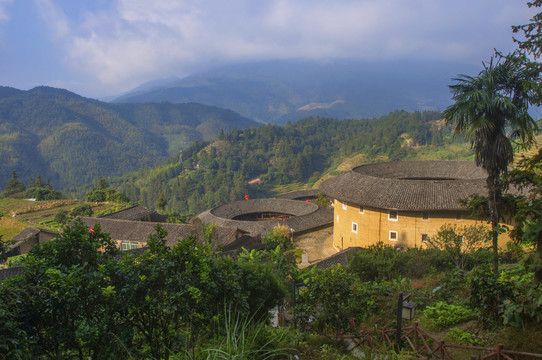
(73, 140)
(282, 91)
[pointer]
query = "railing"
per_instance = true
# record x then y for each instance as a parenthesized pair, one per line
(417, 341)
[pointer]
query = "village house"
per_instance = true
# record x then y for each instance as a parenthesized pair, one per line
(131, 235)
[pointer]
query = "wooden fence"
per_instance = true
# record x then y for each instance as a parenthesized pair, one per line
(421, 345)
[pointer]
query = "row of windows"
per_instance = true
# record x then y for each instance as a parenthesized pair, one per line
(128, 245)
(393, 215)
(393, 234)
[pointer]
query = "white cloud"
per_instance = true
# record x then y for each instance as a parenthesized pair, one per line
(54, 18)
(137, 40)
(3, 12)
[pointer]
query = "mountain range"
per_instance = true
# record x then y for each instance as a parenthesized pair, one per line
(74, 140)
(289, 90)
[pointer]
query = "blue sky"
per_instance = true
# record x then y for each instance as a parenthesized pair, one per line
(98, 48)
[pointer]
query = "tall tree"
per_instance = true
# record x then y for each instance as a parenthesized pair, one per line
(491, 110)
(14, 186)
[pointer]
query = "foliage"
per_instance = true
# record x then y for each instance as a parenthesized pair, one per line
(322, 200)
(5, 247)
(331, 298)
(527, 207)
(487, 295)
(463, 337)
(279, 236)
(40, 193)
(459, 242)
(82, 210)
(80, 297)
(443, 315)
(244, 338)
(13, 186)
(531, 45)
(74, 140)
(107, 194)
(491, 110)
(525, 304)
(382, 262)
(211, 174)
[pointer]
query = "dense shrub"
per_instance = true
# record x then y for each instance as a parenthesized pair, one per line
(42, 193)
(487, 294)
(82, 210)
(443, 315)
(383, 262)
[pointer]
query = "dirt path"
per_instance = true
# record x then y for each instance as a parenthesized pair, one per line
(318, 244)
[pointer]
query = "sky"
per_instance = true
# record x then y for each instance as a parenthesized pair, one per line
(100, 48)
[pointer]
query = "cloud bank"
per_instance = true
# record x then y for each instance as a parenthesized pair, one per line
(125, 42)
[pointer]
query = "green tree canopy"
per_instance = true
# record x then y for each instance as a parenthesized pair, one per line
(491, 110)
(14, 186)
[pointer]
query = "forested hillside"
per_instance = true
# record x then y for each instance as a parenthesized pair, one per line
(210, 174)
(74, 140)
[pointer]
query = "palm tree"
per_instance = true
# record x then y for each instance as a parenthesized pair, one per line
(491, 110)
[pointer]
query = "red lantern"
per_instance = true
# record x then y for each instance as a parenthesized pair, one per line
(92, 230)
(308, 200)
(246, 197)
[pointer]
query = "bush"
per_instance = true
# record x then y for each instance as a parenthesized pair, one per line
(383, 262)
(488, 294)
(443, 315)
(461, 337)
(82, 210)
(279, 236)
(41, 193)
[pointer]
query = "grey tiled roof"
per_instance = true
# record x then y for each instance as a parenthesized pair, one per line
(305, 215)
(409, 185)
(139, 231)
(26, 233)
(300, 195)
(341, 258)
(135, 213)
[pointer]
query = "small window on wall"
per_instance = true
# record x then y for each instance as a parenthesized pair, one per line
(354, 228)
(128, 245)
(393, 215)
(361, 210)
(344, 205)
(424, 238)
(337, 218)
(425, 215)
(393, 235)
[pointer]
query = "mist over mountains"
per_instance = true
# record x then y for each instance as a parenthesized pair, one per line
(289, 90)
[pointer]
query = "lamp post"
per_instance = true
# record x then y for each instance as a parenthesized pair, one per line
(405, 310)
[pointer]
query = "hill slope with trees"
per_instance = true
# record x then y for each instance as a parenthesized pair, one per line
(211, 174)
(73, 140)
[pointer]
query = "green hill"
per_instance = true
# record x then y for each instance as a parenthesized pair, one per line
(73, 140)
(214, 173)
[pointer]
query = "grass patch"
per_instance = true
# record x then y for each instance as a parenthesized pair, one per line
(10, 227)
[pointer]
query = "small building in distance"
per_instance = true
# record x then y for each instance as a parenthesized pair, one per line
(402, 203)
(131, 235)
(24, 241)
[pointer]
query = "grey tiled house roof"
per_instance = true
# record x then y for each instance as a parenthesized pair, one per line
(409, 185)
(305, 215)
(139, 231)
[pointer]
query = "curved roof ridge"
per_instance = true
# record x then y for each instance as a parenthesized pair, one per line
(412, 185)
